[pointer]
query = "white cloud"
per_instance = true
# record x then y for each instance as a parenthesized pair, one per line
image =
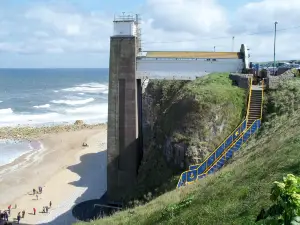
(197, 21)
(167, 24)
(191, 16)
(50, 30)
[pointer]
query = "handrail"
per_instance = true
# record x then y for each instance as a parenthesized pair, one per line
(205, 161)
(220, 145)
(225, 150)
(249, 99)
(250, 90)
(222, 155)
(262, 97)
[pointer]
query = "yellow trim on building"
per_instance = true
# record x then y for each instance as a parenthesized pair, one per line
(187, 54)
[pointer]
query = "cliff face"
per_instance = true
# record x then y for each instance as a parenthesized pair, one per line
(183, 122)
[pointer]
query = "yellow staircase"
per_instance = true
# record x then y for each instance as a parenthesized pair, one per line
(233, 142)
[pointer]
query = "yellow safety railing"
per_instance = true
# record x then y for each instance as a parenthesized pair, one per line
(248, 108)
(234, 141)
(249, 99)
(214, 152)
(262, 98)
(222, 155)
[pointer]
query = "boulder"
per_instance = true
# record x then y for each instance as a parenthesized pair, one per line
(79, 122)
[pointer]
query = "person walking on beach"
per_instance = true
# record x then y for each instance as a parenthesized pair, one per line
(33, 191)
(34, 211)
(9, 207)
(23, 213)
(19, 218)
(37, 197)
(6, 216)
(50, 204)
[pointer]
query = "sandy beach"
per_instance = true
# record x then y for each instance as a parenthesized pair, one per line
(68, 173)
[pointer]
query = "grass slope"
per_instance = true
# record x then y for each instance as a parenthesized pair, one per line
(236, 194)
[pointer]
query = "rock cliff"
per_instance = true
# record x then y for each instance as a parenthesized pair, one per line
(184, 121)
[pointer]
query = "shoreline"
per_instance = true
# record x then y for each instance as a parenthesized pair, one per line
(50, 166)
(31, 149)
(31, 133)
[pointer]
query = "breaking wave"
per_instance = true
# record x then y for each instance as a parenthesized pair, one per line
(6, 111)
(42, 106)
(89, 88)
(73, 102)
(90, 114)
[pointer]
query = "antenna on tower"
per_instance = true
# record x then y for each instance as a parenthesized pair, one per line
(139, 32)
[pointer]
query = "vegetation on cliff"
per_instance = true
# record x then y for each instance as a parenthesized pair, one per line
(237, 193)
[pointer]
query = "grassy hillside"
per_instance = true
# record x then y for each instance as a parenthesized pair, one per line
(236, 194)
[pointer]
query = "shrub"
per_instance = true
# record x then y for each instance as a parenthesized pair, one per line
(286, 207)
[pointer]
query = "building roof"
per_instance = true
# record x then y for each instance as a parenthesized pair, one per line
(188, 54)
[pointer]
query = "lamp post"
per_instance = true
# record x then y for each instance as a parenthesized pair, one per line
(275, 47)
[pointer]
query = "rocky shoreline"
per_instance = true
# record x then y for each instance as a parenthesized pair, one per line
(31, 133)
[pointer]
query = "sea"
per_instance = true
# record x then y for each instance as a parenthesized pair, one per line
(47, 97)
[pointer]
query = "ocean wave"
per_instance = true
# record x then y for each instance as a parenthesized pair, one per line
(91, 114)
(74, 102)
(92, 109)
(89, 88)
(1, 101)
(6, 111)
(42, 106)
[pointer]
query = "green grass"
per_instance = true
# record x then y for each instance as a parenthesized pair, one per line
(236, 194)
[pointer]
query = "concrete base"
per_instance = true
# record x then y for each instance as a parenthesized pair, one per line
(123, 121)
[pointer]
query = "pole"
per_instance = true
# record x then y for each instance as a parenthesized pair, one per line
(232, 44)
(275, 48)
(214, 48)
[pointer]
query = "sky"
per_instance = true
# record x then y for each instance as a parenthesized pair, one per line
(75, 33)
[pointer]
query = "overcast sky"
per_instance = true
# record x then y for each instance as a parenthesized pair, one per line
(75, 33)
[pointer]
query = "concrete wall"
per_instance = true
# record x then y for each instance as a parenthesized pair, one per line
(272, 82)
(123, 123)
(241, 80)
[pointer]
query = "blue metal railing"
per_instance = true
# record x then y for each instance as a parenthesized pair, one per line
(222, 147)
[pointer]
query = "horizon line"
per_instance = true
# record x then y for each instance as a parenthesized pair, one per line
(3, 68)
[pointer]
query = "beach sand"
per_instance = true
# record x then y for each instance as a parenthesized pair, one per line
(68, 173)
